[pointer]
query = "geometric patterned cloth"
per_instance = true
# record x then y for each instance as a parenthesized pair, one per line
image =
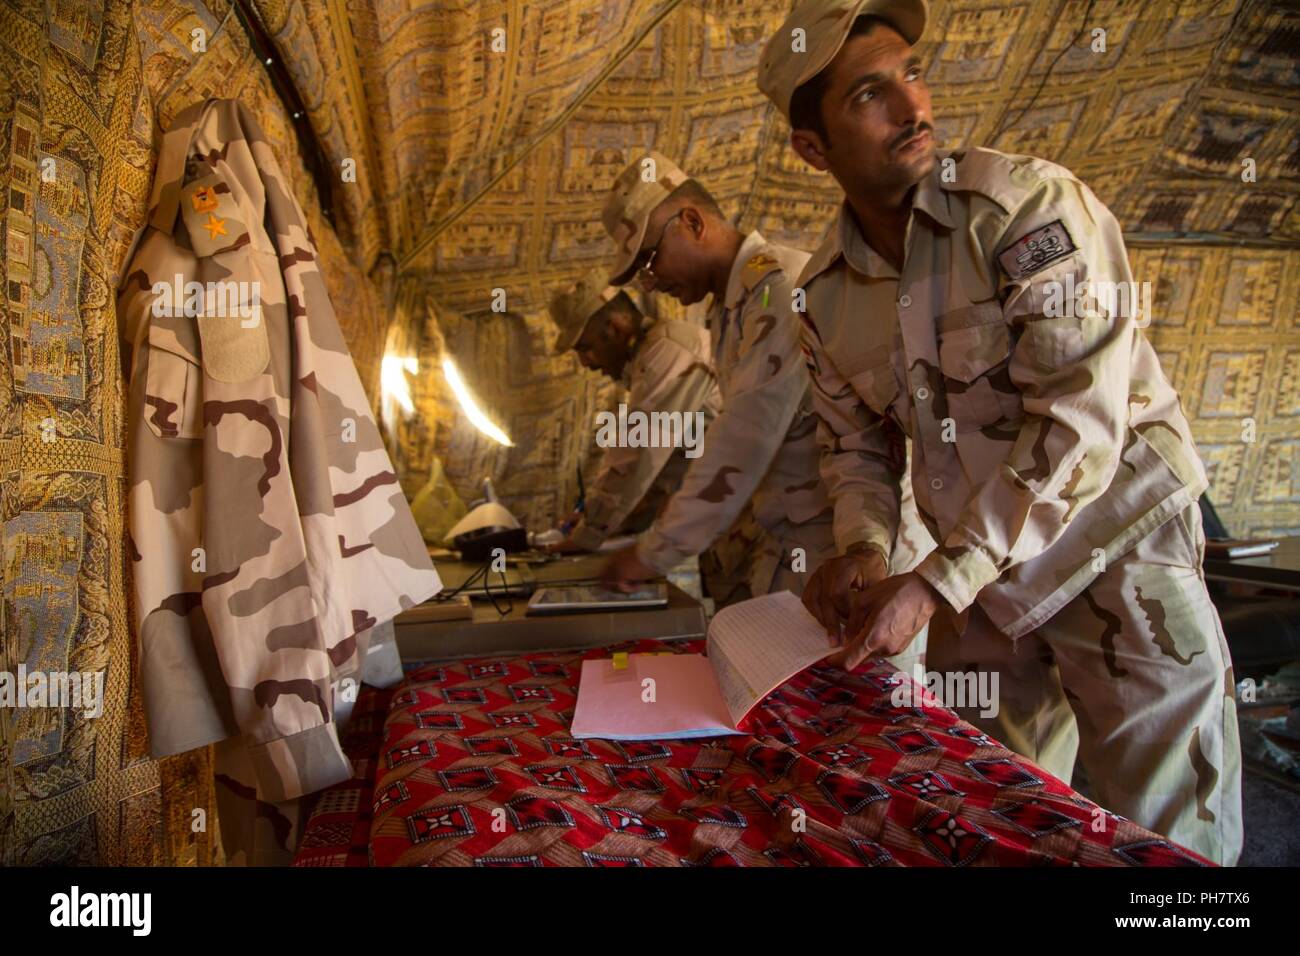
(477, 768)
(337, 831)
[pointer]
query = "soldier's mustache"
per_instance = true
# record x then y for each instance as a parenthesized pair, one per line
(908, 134)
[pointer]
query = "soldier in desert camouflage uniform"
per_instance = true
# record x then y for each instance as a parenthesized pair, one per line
(762, 446)
(270, 542)
(1051, 458)
(665, 367)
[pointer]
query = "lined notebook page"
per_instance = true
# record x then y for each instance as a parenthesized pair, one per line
(757, 645)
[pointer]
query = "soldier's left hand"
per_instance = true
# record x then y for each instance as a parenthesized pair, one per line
(624, 571)
(885, 618)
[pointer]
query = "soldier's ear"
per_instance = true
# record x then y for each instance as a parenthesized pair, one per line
(618, 325)
(810, 148)
(693, 220)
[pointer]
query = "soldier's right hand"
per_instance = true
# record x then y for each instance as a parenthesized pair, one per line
(828, 596)
(567, 546)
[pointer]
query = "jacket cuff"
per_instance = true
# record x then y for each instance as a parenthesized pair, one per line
(290, 767)
(586, 537)
(958, 574)
(858, 547)
(654, 551)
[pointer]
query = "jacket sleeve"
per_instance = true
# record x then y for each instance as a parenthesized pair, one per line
(668, 378)
(862, 455)
(761, 396)
(1070, 361)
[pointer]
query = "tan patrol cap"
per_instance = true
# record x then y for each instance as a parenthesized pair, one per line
(572, 310)
(785, 66)
(637, 192)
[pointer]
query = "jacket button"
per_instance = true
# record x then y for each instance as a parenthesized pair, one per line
(922, 393)
(936, 484)
(905, 300)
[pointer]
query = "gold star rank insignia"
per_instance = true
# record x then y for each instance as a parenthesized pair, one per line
(214, 226)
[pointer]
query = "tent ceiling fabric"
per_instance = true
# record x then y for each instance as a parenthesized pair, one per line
(1181, 93)
(491, 167)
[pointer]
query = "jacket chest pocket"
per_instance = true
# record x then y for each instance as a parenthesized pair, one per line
(974, 354)
(173, 393)
(874, 381)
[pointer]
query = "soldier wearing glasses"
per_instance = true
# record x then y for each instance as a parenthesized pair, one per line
(762, 447)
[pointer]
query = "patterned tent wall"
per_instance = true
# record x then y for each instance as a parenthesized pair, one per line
(1157, 115)
(88, 86)
(478, 170)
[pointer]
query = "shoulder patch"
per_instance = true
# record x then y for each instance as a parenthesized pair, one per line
(1036, 250)
(212, 216)
(757, 267)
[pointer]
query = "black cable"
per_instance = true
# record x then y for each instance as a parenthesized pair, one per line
(505, 590)
(1003, 126)
(447, 595)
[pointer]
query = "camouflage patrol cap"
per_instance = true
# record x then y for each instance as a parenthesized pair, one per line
(784, 67)
(637, 192)
(572, 310)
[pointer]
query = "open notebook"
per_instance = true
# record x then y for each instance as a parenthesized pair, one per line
(753, 648)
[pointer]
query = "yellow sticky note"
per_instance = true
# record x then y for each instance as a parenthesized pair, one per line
(620, 661)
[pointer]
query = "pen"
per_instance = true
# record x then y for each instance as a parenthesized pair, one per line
(579, 507)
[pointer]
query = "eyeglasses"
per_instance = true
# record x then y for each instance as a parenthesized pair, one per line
(645, 273)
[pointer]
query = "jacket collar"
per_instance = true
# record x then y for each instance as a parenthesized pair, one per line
(848, 240)
(930, 198)
(169, 177)
(735, 283)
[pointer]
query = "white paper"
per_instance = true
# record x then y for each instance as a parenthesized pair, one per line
(757, 645)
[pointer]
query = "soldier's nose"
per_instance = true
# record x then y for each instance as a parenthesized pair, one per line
(909, 107)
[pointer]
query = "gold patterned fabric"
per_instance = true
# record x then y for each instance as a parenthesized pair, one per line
(481, 163)
(1158, 116)
(87, 87)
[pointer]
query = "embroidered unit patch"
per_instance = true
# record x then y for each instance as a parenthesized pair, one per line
(1034, 250)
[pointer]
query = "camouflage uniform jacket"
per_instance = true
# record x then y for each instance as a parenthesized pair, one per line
(269, 539)
(763, 444)
(1046, 440)
(669, 372)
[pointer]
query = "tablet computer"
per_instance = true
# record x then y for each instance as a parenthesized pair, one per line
(572, 598)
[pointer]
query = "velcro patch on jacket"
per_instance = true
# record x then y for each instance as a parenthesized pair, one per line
(1035, 250)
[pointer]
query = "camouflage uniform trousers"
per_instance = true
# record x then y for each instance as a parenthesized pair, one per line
(751, 560)
(1134, 675)
(726, 566)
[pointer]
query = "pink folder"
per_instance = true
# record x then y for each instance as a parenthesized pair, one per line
(687, 702)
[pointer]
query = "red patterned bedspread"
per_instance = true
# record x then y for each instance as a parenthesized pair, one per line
(477, 768)
(337, 828)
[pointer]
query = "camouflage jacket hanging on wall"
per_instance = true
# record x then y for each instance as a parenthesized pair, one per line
(270, 541)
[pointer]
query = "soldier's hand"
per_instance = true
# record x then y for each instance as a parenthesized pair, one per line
(885, 618)
(828, 594)
(624, 571)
